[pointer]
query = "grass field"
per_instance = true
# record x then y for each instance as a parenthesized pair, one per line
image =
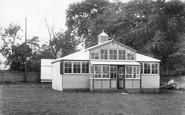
(40, 99)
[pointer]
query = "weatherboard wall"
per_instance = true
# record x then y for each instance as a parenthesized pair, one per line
(56, 77)
(150, 81)
(76, 81)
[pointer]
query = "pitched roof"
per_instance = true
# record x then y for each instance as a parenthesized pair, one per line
(109, 41)
(80, 55)
(84, 54)
(143, 58)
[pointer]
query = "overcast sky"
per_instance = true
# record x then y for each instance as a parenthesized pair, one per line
(35, 10)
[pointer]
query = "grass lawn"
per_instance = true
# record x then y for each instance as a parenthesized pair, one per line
(40, 99)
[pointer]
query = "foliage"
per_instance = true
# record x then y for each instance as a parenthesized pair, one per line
(80, 14)
(154, 28)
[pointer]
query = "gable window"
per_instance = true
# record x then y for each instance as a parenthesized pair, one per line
(122, 55)
(113, 54)
(94, 55)
(130, 56)
(68, 67)
(85, 67)
(76, 67)
(104, 54)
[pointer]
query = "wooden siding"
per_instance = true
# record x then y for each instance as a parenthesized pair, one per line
(132, 83)
(56, 77)
(76, 81)
(150, 81)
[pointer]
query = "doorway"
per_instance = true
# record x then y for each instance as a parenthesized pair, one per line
(121, 77)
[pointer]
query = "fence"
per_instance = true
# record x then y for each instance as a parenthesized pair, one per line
(14, 76)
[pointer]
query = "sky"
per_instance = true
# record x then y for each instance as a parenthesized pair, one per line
(15, 11)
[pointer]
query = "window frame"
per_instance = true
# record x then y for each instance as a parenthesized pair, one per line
(129, 58)
(72, 67)
(95, 54)
(122, 54)
(133, 73)
(86, 67)
(68, 67)
(104, 54)
(151, 69)
(113, 54)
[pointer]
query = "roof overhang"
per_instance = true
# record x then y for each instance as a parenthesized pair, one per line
(114, 63)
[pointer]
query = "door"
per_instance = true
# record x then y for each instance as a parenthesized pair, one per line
(113, 77)
(121, 77)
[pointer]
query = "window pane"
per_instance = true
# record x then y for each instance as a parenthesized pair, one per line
(68, 67)
(105, 71)
(97, 72)
(146, 68)
(94, 55)
(113, 54)
(103, 54)
(155, 68)
(129, 72)
(85, 67)
(113, 71)
(130, 56)
(122, 55)
(76, 67)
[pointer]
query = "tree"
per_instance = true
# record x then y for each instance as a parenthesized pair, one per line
(154, 28)
(80, 14)
(10, 38)
(58, 41)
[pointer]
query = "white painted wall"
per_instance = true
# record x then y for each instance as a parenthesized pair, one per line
(76, 81)
(46, 70)
(56, 77)
(132, 83)
(150, 81)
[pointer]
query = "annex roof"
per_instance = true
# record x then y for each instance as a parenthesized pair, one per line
(114, 63)
(143, 58)
(80, 55)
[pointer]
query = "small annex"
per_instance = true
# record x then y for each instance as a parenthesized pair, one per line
(109, 65)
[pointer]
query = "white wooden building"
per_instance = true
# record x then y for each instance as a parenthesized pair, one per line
(108, 65)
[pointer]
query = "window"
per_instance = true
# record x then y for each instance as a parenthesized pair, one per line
(132, 71)
(105, 72)
(85, 67)
(146, 68)
(129, 72)
(151, 68)
(113, 71)
(130, 56)
(122, 55)
(97, 73)
(154, 68)
(104, 54)
(113, 54)
(94, 55)
(68, 67)
(76, 67)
